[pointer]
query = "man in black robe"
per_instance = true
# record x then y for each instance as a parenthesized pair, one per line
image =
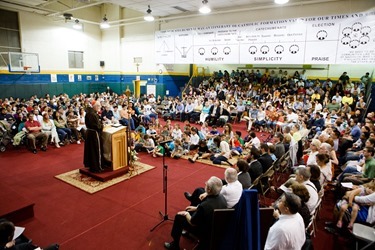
(93, 153)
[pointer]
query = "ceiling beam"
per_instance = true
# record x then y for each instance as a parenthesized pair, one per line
(78, 8)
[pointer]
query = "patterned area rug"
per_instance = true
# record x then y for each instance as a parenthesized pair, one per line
(91, 185)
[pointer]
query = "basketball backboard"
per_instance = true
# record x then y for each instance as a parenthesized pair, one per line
(21, 62)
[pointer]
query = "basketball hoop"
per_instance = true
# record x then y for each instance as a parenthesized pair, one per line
(27, 70)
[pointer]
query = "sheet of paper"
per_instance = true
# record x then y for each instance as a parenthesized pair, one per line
(359, 168)
(347, 184)
(18, 231)
(285, 189)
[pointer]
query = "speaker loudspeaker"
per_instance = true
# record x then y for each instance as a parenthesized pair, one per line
(102, 64)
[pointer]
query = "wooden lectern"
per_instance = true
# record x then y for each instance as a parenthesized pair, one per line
(115, 146)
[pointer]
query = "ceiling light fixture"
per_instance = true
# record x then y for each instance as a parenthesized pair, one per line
(104, 24)
(205, 9)
(149, 17)
(77, 25)
(281, 1)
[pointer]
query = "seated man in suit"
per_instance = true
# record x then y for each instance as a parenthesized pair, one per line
(264, 158)
(214, 113)
(255, 167)
(199, 219)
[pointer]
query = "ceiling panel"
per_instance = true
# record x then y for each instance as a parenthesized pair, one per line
(160, 8)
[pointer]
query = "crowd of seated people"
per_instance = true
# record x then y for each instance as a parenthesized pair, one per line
(328, 119)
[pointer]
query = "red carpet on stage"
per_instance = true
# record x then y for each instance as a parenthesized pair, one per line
(118, 217)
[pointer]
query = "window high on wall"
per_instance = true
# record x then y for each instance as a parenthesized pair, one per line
(75, 59)
(9, 34)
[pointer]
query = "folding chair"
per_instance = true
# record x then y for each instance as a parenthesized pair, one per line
(220, 222)
(310, 229)
(364, 233)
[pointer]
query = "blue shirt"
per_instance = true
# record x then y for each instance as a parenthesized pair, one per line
(355, 133)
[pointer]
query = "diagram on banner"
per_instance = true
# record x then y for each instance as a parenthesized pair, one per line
(214, 51)
(164, 47)
(215, 54)
(365, 30)
(183, 51)
(183, 46)
(336, 39)
(273, 53)
(364, 40)
(293, 49)
(201, 51)
(322, 34)
(356, 35)
(264, 49)
(253, 50)
(226, 50)
(279, 49)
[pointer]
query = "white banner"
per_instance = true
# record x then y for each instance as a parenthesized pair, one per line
(335, 39)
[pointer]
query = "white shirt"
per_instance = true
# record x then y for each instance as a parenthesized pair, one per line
(293, 117)
(326, 173)
(255, 142)
(311, 203)
(148, 109)
(224, 148)
(312, 159)
(232, 193)
(194, 139)
(176, 134)
(261, 115)
(318, 107)
(288, 233)
(338, 98)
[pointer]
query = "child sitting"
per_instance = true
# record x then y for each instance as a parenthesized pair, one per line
(178, 150)
(203, 152)
(169, 124)
(138, 141)
(187, 127)
(185, 143)
(214, 132)
(176, 132)
(165, 132)
(357, 212)
(149, 144)
(194, 139)
(151, 131)
(141, 128)
(236, 145)
(204, 131)
(158, 150)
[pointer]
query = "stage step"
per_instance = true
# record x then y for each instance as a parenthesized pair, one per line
(105, 175)
(14, 207)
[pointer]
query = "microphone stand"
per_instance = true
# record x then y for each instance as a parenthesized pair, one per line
(165, 191)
